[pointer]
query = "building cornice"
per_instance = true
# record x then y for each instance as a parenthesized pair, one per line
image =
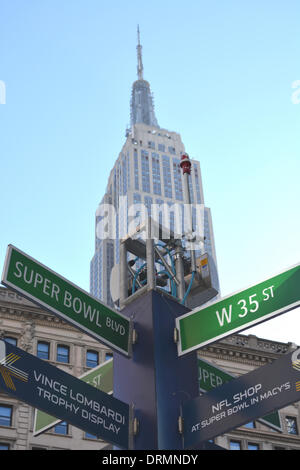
(14, 306)
(259, 435)
(249, 350)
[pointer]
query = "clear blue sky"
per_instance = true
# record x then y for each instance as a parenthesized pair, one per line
(222, 75)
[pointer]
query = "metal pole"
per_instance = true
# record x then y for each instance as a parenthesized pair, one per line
(155, 378)
(157, 251)
(123, 273)
(179, 272)
(150, 257)
(186, 169)
(132, 274)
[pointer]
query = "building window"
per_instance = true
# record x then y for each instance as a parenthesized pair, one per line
(148, 204)
(137, 203)
(43, 350)
(145, 172)
(125, 173)
(108, 356)
(156, 174)
(252, 446)
(92, 359)
(177, 179)
(109, 264)
(161, 147)
(191, 189)
(235, 445)
(250, 425)
(4, 446)
(172, 150)
(197, 186)
(90, 436)
(291, 425)
(151, 144)
(61, 428)
(11, 340)
(5, 415)
(136, 169)
(167, 176)
(63, 354)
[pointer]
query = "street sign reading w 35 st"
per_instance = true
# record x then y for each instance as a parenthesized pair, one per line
(53, 292)
(239, 311)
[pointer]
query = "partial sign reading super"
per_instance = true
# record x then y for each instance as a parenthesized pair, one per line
(54, 293)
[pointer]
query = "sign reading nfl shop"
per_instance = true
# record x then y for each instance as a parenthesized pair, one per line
(242, 400)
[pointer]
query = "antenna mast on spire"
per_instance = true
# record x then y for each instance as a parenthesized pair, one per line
(140, 67)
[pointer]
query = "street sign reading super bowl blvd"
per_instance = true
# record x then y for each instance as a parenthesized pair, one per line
(242, 400)
(239, 311)
(52, 292)
(38, 383)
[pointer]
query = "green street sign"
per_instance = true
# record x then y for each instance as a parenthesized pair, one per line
(239, 311)
(52, 292)
(100, 377)
(211, 377)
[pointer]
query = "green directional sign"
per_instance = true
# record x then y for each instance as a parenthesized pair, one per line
(52, 292)
(239, 311)
(100, 377)
(211, 377)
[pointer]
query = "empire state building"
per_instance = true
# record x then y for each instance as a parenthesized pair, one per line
(146, 172)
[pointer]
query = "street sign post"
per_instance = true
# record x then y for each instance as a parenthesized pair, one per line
(38, 383)
(211, 377)
(54, 293)
(241, 400)
(239, 311)
(100, 377)
(155, 369)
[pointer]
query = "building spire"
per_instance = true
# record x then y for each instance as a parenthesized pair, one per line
(141, 106)
(140, 67)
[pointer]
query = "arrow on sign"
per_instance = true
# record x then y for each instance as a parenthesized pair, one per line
(54, 293)
(239, 311)
(7, 370)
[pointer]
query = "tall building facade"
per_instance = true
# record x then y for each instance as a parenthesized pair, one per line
(146, 173)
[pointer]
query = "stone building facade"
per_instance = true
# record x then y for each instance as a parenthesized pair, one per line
(38, 332)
